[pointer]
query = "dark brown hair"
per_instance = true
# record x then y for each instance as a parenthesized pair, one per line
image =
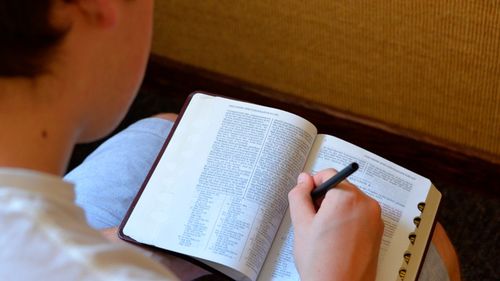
(27, 38)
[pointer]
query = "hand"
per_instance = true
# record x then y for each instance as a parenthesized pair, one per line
(341, 239)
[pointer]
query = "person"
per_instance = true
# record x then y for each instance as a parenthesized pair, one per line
(69, 71)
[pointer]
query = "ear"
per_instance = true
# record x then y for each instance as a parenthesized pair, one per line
(103, 13)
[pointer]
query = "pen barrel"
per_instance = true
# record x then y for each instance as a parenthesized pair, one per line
(335, 180)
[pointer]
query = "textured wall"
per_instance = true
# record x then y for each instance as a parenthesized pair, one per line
(432, 67)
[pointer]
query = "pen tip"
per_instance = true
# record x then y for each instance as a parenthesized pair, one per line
(355, 165)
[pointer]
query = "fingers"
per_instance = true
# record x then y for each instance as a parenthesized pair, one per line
(323, 176)
(339, 240)
(343, 195)
(302, 209)
(346, 197)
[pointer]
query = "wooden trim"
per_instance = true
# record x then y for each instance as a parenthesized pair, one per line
(441, 162)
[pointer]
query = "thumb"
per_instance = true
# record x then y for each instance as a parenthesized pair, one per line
(302, 208)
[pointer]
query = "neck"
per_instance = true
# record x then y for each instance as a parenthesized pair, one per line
(34, 134)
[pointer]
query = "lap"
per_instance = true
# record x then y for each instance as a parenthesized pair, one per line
(109, 178)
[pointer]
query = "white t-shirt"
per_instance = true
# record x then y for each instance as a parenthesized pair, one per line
(44, 236)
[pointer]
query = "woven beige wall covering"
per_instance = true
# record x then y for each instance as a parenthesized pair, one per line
(430, 67)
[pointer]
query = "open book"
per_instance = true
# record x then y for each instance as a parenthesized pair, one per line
(218, 192)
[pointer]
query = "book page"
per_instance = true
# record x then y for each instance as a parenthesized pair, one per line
(397, 189)
(219, 192)
(280, 263)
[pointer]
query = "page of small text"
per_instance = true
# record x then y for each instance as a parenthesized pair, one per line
(397, 189)
(219, 192)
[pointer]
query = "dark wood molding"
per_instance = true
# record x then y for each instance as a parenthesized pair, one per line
(430, 158)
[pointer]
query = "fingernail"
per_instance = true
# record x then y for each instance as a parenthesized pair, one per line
(302, 178)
